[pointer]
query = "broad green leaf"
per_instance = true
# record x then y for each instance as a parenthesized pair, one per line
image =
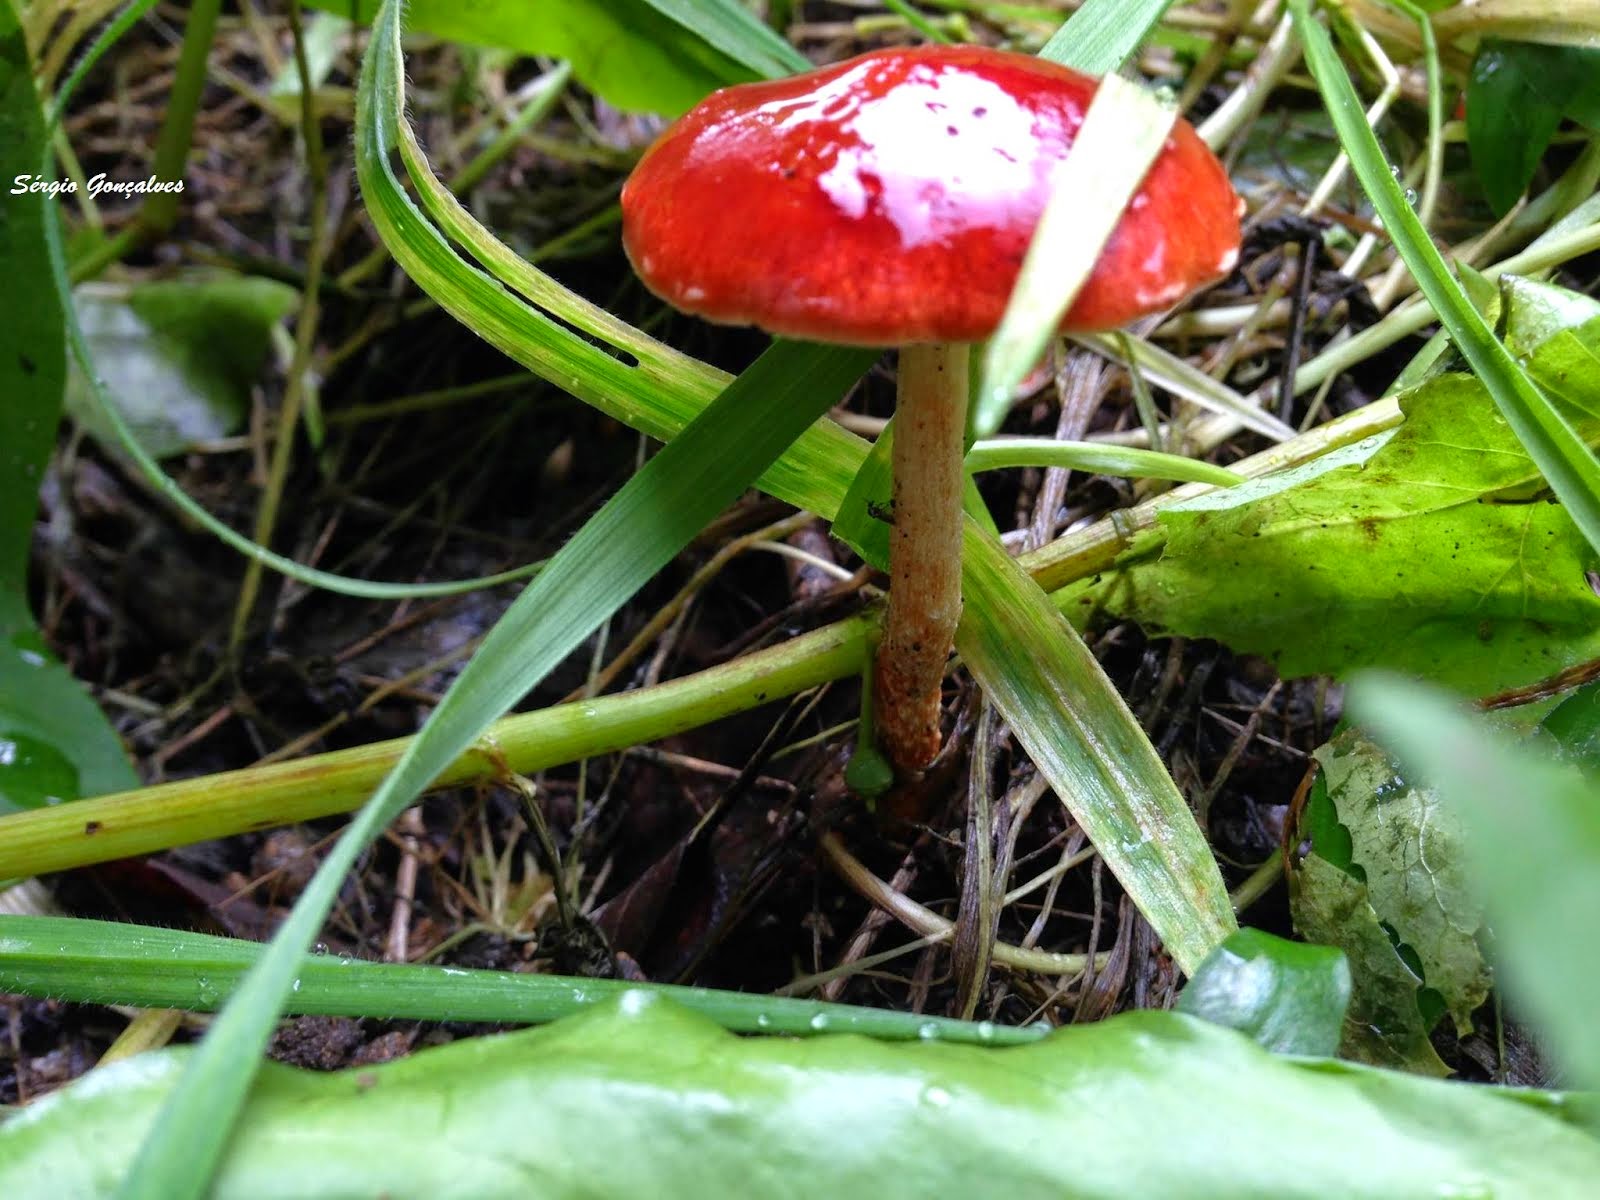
(641, 1098)
(1384, 1024)
(54, 742)
(1432, 552)
(103, 962)
(179, 356)
(1563, 457)
(1517, 94)
(1409, 849)
(1533, 836)
(1536, 313)
(1285, 996)
(642, 55)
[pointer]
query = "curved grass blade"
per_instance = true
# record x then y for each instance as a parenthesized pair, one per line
(111, 413)
(55, 743)
(1568, 465)
(1095, 458)
(105, 962)
(658, 397)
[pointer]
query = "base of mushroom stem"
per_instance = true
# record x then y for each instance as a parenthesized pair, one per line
(916, 795)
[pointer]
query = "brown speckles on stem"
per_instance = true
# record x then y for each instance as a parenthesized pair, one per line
(925, 554)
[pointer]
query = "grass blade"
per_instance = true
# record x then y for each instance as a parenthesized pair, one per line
(1078, 731)
(1102, 34)
(1121, 135)
(1567, 463)
(733, 29)
(104, 962)
(1095, 457)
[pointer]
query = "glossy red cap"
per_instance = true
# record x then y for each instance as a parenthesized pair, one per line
(891, 198)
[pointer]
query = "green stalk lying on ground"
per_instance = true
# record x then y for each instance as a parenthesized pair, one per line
(155, 818)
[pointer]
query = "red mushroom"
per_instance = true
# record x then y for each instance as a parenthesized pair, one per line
(888, 201)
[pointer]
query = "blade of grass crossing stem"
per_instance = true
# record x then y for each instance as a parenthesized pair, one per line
(105, 962)
(635, 534)
(1102, 34)
(658, 398)
(1568, 465)
(1081, 736)
(735, 30)
(1120, 137)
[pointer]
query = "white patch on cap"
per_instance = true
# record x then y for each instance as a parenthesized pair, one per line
(1159, 297)
(843, 185)
(1229, 257)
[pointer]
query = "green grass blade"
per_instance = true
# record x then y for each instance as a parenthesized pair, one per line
(1178, 377)
(104, 962)
(1079, 733)
(1097, 458)
(658, 397)
(733, 29)
(1567, 463)
(1534, 838)
(1102, 34)
(1121, 135)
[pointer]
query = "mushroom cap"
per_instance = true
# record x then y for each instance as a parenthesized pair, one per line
(891, 198)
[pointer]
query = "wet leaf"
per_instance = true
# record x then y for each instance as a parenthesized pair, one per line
(1517, 95)
(179, 357)
(1384, 1025)
(1286, 996)
(1436, 551)
(702, 1112)
(1534, 836)
(1410, 849)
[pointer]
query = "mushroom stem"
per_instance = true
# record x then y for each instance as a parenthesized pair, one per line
(924, 551)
